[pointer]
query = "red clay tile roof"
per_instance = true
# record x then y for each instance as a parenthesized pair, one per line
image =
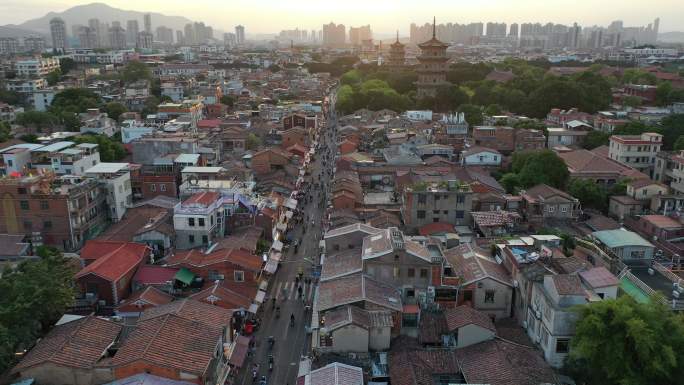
(77, 344)
(358, 288)
(139, 220)
(191, 310)
(662, 221)
(436, 228)
(95, 249)
(170, 341)
(498, 362)
(204, 198)
(197, 258)
(473, 265)
(220, 295)
(567, 284)
(336, 374)
(461, 316)
(150, 296)
(599, 277)
(117, 263)
(418, 367)
(154, 275)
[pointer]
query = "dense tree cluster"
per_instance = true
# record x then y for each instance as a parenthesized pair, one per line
(628, 343)
(111, 150)
(34, 296)
(530, 168)
(671, 127)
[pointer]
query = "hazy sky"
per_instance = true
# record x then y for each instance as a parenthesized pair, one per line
(267, 16)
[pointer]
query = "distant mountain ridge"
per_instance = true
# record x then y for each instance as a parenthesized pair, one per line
(80, 15)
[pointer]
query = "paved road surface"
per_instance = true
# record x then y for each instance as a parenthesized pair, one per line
(291, 343)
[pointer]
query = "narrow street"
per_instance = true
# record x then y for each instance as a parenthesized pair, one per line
(292, 342)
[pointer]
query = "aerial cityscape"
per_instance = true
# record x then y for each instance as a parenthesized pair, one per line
(434, 197)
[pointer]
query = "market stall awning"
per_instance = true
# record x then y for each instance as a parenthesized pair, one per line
(253, 308)
(260, 296)
(184, 275)
(277, 245)
(239, 352)
(271, 266)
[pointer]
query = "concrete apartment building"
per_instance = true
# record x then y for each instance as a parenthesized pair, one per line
(116, 180)
(636, 151)
(59, 211)
(37, 67)
(198, 220)
(448, 201)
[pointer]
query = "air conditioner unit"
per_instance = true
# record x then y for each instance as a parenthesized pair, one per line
(515, 283)
(675, 294)
(220, 277)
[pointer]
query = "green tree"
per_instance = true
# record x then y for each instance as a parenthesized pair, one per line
(672, 127)
(589, 193)
(510, 182)
(449, 98)
(75, 100)
(29, 138)
(624, 342)
(34, 296)
(536, 167)
(253, 142)
(37, 119)
(351, 77)
(114, 110)
(631, 101)
(5, 131)
(473, 114)
(9, 97)
(595, 139)
(493, 110)
(679, 143)
(150, 107)
(638, 76)
(134, 71)
(227, 100)
(663, 93)
(53, 77)
(110, 149)
(66, 64)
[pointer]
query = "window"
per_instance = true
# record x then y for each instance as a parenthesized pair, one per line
(409, 320)
(564, 209)
(239, 276)
(545, 338)
(47, 225)
(191, 239)
(421, 214)
(411, 272)
(205, 239)
(467, 296)
(551, 209)
(445, 212)
(460, 214)
(162, 187)
(423, 273)
(562, 345)
(200, 222)
(489, 296)
(421, 198)
(28, 226)
(44, 205)
(435, 212)
(396, 272)
(336, 247)
(21, 191)
(460, 198)
(191, 222)
(410, 293)
(153, 187)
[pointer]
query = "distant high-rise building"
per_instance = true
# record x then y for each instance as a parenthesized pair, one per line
(59, 35)
(229, 39)
(334, 35)
(456, 33)
(432, 66)
(240, 34)
(117, 37)
(147, 22)
(34, 44)
(179, 38)
(189, 34)
(144, 40)
(96, 30)
(514, 30)
(116, 24)
(496, 29)
(9, 45)
(88, 38)
(359, 34)
(132, 30)
(164, 35)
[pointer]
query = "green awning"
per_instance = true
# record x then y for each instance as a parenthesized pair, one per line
(184, 275)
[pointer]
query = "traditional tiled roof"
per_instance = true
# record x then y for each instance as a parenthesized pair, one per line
(203, 313)
(340, 231)
(495, 218)
(419, 366)
(599, 277)
(543, 192)
(436, 228)
(567, 284)
(336, 374)
(117, 263)
(473, 265)
(357, 288)
(497, 362)
(150, 296)
(94, 249)
(341, 264)
(203, 198)
(197, 258)
(154, 275)
(220, 295)
(137, 221)
(77, 344)
(347, 315)
(461, 316)
(173, 342)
